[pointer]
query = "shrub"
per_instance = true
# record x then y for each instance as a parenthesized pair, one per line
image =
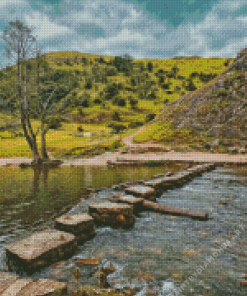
(111, 91)
(133, 102)
(161, 79)
(89, 84)
(54, 122)
(117, 127)
(122, 64)
(68, 62)
(165, 85)
(150, 117)
(191, 86)
(97, 101)
(119, 101)
(150, 67)
(135, 124)
(111, 71)
(116, 116)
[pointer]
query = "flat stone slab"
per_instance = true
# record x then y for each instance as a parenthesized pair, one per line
(44, 287)
(11, 285)
(76, 224)
(110, 207)
(6, 279)
(140, 190)
(113, 214)
(172, 180)
(15, 288)
(200, 215)
(41, 248)
(136, 202)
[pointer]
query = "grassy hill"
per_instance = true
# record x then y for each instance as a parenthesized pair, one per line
(106, 95)
(215, 111)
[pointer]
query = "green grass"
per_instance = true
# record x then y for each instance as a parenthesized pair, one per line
(165, 133)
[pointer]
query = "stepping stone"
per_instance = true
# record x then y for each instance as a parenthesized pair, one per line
(44, 287)
(136, 202)
(141, 191)
(81, 225)
(113, 214)
(15, 288)
(11, 285)
(200, 215)
(42, 248)
(6, 279)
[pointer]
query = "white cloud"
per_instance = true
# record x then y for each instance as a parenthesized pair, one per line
(45, 28)
(5, 3)
(115, 27)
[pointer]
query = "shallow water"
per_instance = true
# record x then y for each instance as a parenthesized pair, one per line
(161, 251)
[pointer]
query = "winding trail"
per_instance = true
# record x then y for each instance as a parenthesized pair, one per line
(128, 141)
(102, 159)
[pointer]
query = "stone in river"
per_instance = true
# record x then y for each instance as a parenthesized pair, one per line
(15, 288)
(42, 248)
(141, 191)
(44, 287)
(136, 202)
(113, 214)
(6, 279)
(81, 225)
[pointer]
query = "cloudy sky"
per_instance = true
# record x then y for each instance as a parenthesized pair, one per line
(141, 28)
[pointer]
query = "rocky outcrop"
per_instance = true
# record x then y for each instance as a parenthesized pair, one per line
(217, 110)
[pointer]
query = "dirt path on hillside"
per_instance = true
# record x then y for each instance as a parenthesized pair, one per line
(128, 141)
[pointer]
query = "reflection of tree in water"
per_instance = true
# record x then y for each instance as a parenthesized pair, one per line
(37, 171)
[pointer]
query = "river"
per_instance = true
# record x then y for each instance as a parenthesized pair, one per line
(160, 252)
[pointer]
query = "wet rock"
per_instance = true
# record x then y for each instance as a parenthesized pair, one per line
(104, 291)
(41, 248)
(58, 270)
(201, 215)
(129, 199)
(129, 291)
(44, 287)
(152, 291)
(81, 225)
(177, 275)
(6, 279)
(93, 261)
(15, 288)
(141, 191)
(112, 214)
(11, 285)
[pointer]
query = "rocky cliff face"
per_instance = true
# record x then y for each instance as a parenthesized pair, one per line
(219, 109)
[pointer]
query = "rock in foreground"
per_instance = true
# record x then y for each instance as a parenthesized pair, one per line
(41, 248)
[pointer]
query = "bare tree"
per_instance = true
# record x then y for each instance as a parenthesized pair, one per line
(21, 48)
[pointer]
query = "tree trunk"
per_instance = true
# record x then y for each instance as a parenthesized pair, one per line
(44, 154)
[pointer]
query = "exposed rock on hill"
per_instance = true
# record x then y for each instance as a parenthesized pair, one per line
(219, 109)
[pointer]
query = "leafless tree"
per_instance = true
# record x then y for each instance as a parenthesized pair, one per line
(21, 49)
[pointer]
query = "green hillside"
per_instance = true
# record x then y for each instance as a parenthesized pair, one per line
(216, 111)
(105, 95)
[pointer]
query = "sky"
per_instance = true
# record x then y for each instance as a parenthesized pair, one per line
(143, 29)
